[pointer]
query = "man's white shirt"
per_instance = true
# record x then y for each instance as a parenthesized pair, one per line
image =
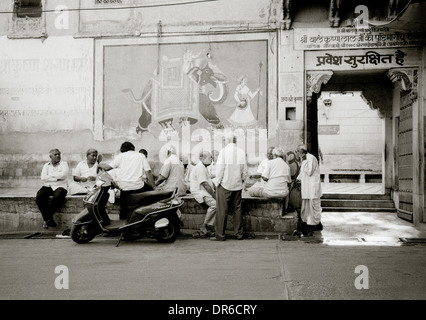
(131, 165)
(231, 168)
(199, 174)
(55, 176)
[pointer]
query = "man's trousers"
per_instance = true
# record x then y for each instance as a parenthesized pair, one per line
(228, 201)
(46, 206)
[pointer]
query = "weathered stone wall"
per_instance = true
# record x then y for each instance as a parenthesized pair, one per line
(47, 73)
(260, 215)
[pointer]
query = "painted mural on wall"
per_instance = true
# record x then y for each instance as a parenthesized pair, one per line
(158, 89)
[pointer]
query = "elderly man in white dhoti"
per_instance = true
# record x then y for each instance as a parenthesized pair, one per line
(310, 179)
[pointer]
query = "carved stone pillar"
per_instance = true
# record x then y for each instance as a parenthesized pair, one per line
(286, 21)
(334, 13)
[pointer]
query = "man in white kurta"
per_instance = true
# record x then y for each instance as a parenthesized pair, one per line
(231, 170)
(311, 192)
(54, 176)
(172, 174)
(85, 173)
(129, 168)
(260, 169)
(276, 177)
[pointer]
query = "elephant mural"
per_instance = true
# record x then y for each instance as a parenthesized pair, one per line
(156, 91)
(183, 89)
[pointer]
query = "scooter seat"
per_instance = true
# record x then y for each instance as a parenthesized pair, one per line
(139, 213)
(135, 200)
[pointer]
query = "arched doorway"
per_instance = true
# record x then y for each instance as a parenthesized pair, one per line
(392, 93)
(354, 106)
(351, 143)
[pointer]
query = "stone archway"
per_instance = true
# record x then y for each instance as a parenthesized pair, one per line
(376, 91)
(393, 93)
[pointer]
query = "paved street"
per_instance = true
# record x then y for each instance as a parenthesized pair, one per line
(266, 268)
(188, 269)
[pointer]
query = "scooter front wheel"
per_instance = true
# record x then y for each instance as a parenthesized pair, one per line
(169, 233)
(82, 233)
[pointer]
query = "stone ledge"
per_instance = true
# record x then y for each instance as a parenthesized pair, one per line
(20, 213)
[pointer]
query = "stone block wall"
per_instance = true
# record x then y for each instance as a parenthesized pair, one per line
(260, 215)
(24, 170)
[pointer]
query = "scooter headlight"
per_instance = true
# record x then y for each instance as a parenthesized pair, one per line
(163, 222)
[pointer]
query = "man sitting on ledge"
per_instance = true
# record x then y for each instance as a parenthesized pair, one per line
(202, 188)
(276, 176)
(55, 183)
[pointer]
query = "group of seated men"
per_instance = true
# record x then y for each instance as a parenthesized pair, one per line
(273, 174)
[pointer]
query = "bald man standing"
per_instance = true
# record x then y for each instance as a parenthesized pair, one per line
(231, 170)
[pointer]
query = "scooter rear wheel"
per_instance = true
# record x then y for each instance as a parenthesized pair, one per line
(168, 234)
(82, 233)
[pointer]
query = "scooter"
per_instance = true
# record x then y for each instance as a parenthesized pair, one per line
(154, 214)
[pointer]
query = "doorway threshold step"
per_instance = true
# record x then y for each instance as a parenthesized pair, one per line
(357, 203)
(357, 209)
(352, 196)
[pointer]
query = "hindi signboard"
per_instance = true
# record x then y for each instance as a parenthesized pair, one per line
(362, 59)
(355, 38)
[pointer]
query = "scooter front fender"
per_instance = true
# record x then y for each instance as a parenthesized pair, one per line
(84, 217)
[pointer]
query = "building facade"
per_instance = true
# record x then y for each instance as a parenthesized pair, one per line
(81, 74)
